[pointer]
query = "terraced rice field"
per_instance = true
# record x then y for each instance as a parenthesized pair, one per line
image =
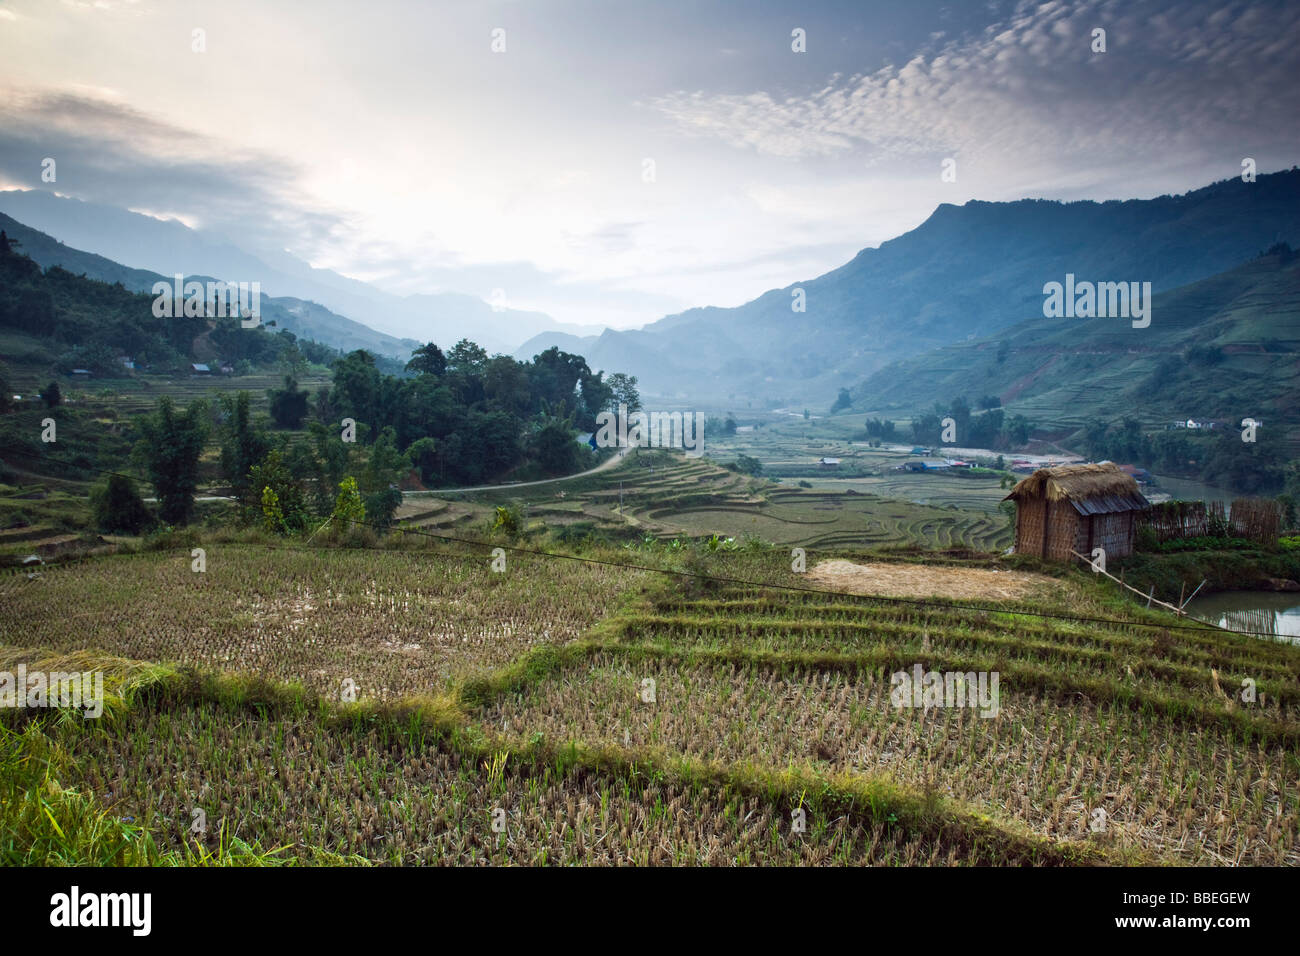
(830, 520)
(570, 713)
(367, 795)
(667, 496)
(396, 623)
(1127, 720)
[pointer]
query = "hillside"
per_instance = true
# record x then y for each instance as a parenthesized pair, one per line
(303, 318)
(964, 273)
(170, 246)
(1222, 348)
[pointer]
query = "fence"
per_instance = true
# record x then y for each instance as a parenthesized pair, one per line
(1256, 519)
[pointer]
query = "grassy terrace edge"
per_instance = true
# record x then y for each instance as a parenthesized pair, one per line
(46, 824)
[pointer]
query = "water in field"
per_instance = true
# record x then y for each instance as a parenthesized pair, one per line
(1260, 612)
(1183, 489)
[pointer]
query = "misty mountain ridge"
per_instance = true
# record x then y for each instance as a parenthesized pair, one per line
(169, 246)
(303, 318)
(963, 274)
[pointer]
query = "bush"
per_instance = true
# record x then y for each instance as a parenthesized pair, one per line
(507, 521)
(118, 508)
(1206, 543)
(349, 511)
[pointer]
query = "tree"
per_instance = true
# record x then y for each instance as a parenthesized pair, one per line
(555, 376)
(467, 357)
(844, 400)
(882, 429)
(553, 447)
(292, 362)
(320, 464)
(1017, 430)
(288, 404)
(170, 447)
(243, 444)
(927, 429)
(280, 497)
(427, 360)
(118, 508)
(52, 396)
(423, 455)
(505, 385)
(624, 391)
(386, 467)
(356, 392)
(596, 397)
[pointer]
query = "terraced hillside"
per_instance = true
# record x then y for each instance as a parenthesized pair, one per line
(564, 712)
(665, 495)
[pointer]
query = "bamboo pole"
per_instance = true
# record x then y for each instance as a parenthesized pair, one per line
(1183, 604)
(1151, 599)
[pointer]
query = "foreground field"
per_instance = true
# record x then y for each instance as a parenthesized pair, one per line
(564, 712)
(395, 623)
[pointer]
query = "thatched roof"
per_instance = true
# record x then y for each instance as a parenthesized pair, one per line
(1092, 489)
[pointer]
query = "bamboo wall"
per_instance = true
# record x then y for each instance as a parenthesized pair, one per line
(1048, 529)
(1256, 519)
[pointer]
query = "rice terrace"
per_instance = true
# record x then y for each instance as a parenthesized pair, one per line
(582, 709)
(581, 441)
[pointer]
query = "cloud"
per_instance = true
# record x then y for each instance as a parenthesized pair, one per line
(108, 152)
(1175, 81)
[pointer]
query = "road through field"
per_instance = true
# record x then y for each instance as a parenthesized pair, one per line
(603, 466)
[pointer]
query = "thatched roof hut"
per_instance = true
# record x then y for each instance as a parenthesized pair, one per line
(1076, 508)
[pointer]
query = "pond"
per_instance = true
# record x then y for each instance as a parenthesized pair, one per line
(1268, 612)
(1183, 489)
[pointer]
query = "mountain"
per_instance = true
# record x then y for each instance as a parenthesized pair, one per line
(1225, 348)
(302, 318)
(169, 246)
(963, 274)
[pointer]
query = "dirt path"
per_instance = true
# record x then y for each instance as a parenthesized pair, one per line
(603, 466)
(921, 580)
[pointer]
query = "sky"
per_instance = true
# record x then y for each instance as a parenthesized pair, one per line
(620, 161)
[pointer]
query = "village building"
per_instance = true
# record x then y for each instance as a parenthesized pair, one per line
(1076, 508)
(926, 464)
(829, 462)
